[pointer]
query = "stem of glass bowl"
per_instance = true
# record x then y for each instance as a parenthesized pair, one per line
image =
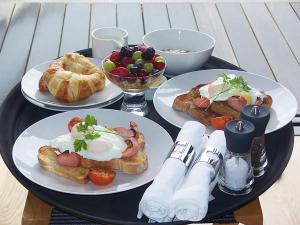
(135, 102)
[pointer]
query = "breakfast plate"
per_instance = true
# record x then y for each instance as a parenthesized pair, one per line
(63, 109)
(30, 89)
(26, 148)
(283, 109)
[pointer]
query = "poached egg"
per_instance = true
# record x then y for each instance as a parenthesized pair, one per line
(104, 148)
(221, 91)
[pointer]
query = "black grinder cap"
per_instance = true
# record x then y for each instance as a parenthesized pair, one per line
(258, 115)
(239, 135)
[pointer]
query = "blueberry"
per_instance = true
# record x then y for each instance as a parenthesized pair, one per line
(148, 54)
(140, 65)
(126, 51)
(134, 70)
(129, 52)
(123, 51)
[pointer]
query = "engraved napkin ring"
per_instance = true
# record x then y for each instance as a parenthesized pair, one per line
(212, 156)
(183, 151)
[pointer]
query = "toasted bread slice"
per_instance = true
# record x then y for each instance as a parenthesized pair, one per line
(184, 103)
(48, 161)
(136, 164)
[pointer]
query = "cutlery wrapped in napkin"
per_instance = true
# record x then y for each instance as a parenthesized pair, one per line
(190, 201)
(156, 201)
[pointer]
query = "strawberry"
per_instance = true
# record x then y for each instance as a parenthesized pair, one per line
(143, 48)
(120, 71)
(115, 56)
(159, 65)
(125, 61)
(142, 73)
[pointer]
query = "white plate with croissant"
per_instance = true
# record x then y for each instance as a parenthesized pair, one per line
(69, 82)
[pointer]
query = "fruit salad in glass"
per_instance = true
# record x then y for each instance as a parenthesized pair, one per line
(134, 69)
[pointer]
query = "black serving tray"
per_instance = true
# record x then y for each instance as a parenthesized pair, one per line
(16, 114)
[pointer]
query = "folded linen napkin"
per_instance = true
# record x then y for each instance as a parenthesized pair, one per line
(190, 202)
(156, 201)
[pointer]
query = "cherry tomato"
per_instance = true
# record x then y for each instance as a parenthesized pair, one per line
(101, 176)
(237, 103)
(74, 121)
(220, 122)
(201, 102)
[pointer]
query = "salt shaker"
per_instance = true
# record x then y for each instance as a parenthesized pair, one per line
(236, 174)
(259, 116)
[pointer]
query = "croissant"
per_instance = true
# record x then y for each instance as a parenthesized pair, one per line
(71, 78)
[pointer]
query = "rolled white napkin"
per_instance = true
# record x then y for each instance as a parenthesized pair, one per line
(190, 202)
(156, 201)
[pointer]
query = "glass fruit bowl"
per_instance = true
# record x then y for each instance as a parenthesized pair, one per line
(134, 73)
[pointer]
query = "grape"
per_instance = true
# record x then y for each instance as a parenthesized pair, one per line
(129, 66)
(148, 67)
(108, 66)
(137, 55)
(159, 59)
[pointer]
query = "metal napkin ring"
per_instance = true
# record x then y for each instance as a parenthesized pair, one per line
(183, 151)
(212, 156)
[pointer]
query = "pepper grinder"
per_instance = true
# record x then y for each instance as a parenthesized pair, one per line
(236, 174)
(259, 116)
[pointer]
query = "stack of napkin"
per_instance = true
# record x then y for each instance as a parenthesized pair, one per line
(157, 199)
(176, 193)
(190, 202)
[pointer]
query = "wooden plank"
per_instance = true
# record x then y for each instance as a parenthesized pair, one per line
(6, 10)
(283, 63)
(288, 23)
(155, 16)
(16, 46)
(129, 17)
(181, 16)
(281, 202)
(296, 7)
(50, 22)
(243, 41)
(102, 15)
(209, 21)
(12, 197)
(36, 212)
(75, 34)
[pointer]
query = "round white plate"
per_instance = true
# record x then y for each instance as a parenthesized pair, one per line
(25, 150)
(283, 109)
(62, 109)
(30, 88)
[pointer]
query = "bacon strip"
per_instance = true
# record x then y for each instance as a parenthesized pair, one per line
(132, 148)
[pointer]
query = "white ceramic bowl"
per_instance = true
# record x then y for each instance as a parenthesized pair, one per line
(199, 46)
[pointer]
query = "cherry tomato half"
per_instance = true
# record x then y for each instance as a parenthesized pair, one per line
(220, 122)
(101, 176)
(74, 121)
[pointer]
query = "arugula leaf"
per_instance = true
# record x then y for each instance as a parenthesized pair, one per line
(92, 136)
(90, 120)
(79, 144)
(236, 82)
